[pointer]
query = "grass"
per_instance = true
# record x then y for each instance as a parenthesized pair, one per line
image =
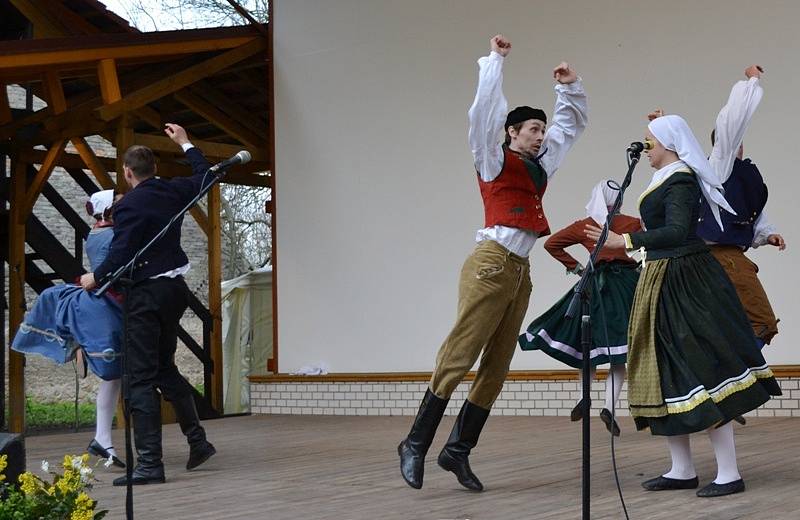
(52, 416)
(41, 416)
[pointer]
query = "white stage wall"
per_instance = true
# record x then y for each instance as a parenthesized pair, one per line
(377, 202)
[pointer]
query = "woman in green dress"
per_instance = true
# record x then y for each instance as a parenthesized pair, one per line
(616, 275)
(693, 362)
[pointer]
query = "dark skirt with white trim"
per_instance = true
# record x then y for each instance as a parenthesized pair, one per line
(709, 367)
(560, 338)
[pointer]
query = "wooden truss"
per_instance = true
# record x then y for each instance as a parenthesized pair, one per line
(110, 80)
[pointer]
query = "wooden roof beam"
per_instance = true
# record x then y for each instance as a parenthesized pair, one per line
(168, 166)
(235, 127)
(80, 115)
(217, 97)
(45, 25)
(71, 22)
(210, 149)
(51, 19)
(66, 52)
(149, 116)
(180, 80)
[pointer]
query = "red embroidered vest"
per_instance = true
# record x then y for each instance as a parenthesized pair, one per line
(514, 197)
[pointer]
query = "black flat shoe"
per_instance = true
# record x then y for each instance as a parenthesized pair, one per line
(720, 490)
(741, 420)
(664, 483)
(142, 476)
(577, 413)
(609, 421)
(95, 449)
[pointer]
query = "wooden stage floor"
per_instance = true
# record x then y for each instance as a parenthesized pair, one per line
(346, 468)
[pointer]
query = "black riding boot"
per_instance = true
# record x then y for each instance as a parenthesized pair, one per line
(414, 447)
(147, 436)
(455, 454)
(200, 450)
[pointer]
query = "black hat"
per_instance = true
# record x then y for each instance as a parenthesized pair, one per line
(523, 113)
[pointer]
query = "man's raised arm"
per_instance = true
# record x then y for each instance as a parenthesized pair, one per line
(487, 114)
(733, 120)
(570, 117)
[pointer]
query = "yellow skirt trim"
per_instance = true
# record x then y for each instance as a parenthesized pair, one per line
(718, 396)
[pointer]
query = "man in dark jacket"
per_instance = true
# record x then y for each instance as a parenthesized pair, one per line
(156, 302)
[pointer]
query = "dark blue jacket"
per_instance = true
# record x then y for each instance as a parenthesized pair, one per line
(141, 214)
(747, 194)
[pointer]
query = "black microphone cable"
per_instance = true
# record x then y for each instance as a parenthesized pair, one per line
(613, 399)
(615, 186)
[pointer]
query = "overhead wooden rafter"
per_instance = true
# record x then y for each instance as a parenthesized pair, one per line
(75, 54)
(243, 174)
(181, 79)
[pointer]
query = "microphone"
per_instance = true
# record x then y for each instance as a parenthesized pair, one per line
(639, 147)
(240, 158)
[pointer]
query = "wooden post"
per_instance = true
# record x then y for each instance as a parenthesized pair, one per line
(16, 295)
(215, 294)
(271, 152)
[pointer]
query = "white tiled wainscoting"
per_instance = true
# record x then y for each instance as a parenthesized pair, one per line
(530, 398)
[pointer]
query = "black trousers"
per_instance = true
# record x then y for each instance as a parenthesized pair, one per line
(155, 307)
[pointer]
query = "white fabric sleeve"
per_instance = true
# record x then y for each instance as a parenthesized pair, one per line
(762, 229)
(570, 116)
(731, 125)
(187, 146)
(487, 117)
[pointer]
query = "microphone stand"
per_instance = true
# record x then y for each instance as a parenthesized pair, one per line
(126, 282)
(581, 295)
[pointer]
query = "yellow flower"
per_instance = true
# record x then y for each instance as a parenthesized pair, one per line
(83, 501)
(2, 477)
(67, 482)
(81, 515)
(28, 483)
(67, 461)
(3, 462)
(51, 490)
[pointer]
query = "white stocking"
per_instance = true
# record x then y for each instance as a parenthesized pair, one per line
(725, 452)
(107, 397)
(681, 453)
(613, 388)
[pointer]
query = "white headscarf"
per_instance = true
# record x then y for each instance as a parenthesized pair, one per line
(602, 197)
(99, 202)
(673, 132)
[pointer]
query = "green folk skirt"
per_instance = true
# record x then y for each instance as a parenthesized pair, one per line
(560, 338)
(694, 362)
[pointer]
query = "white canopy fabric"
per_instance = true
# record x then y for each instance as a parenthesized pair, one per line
(246, 335)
